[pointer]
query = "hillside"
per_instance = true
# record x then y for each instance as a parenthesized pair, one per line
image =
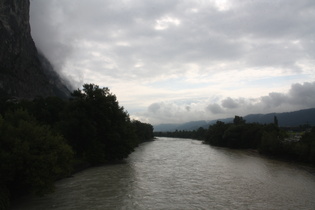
(24, 73)
(285, 119)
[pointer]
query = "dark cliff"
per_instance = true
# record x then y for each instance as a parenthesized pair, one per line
(24, 73)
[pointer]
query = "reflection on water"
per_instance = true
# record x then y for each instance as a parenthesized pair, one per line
(172, 173)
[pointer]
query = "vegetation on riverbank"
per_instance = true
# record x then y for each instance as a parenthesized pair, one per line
(268, 139)
(198, 134)
(44, 139)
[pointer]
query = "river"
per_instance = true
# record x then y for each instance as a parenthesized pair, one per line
(171, 173)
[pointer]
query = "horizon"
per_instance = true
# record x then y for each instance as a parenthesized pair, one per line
(231, 117)
(180, 61)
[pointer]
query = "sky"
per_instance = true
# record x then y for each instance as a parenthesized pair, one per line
(174, 61)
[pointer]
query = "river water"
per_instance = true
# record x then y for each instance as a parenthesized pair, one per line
(171, 173)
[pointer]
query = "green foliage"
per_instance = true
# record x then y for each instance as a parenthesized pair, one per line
(267, 139)
(46, 110)
(4, 197)
(238, 120)
(93, 123)
(198, 134)
(98, 128)
(233, 135)
(275, 120)
(215, 134)
(252, 134)
(307, 146)
(31, 156)
(39, 138)
(236, 135)
(270, 143)
(144, 131)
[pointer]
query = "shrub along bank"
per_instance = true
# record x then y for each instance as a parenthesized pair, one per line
(43, 139)
(268, 139)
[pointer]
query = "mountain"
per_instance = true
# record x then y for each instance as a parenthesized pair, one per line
(24, 73)
(166, 127)
(285, 119)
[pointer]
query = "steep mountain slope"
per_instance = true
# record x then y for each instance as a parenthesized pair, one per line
(23, 72)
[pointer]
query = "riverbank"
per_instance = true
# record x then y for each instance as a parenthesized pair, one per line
(172, 173)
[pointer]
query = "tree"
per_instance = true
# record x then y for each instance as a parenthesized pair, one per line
(215, 134)
(233, 136)
(32, 157)
(144, 131)
(275, 120)
(307, 146)
(238, 120)
(271, 143)
(96, 126)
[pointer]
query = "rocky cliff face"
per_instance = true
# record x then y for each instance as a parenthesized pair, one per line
(24, 73)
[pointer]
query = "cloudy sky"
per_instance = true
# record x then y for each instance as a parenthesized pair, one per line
(172, 61)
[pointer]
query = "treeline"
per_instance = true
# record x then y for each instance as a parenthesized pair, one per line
(266, 138)
(198, 134)
(48, 138)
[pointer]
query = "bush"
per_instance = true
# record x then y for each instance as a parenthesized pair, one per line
(32, 157)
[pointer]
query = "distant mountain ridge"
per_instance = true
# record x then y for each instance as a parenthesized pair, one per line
(285, 119)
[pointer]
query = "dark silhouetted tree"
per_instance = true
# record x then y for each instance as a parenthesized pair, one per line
(238, 120)
(275, 120)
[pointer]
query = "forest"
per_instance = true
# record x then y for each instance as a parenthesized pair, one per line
(46, 139)
(296, 144)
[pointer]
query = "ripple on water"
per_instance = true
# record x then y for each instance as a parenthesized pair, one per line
(184, 174)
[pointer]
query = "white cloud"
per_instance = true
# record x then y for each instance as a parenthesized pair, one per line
(230, 103)
(215, 108)
(222, 5)
(165, 22)
(299, 96)
(217, 55)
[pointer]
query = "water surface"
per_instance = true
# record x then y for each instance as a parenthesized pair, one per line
(172, 173)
